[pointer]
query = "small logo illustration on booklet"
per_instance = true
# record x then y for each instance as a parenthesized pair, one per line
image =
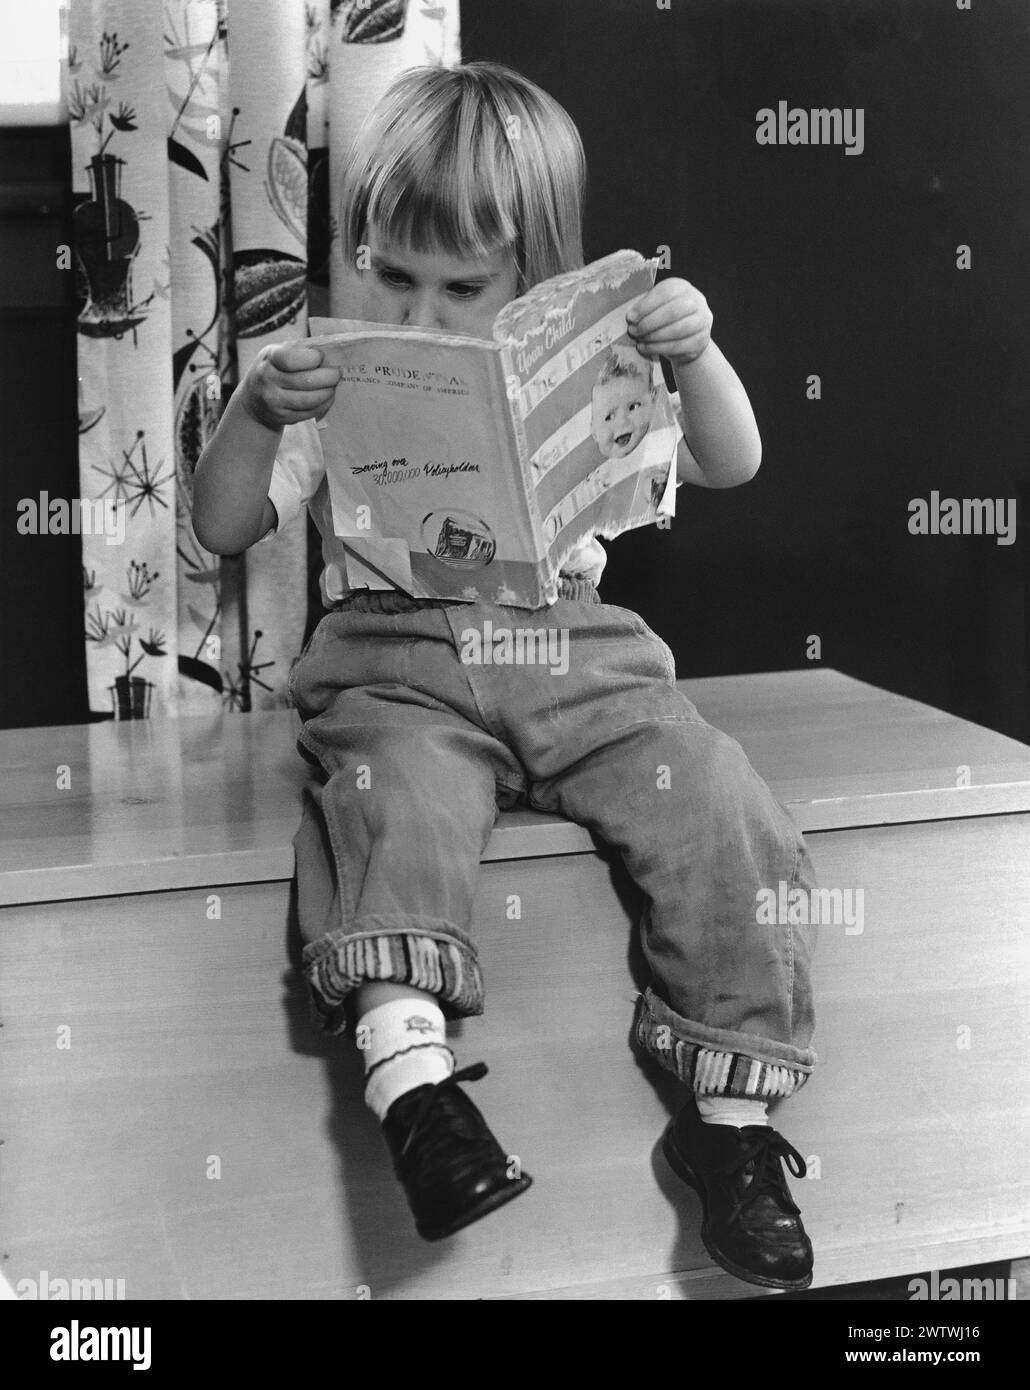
(461, 540)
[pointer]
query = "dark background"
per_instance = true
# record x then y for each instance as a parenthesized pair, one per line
(813, 261)
(42, 618)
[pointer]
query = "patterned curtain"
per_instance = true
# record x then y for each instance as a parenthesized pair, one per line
(204, 183)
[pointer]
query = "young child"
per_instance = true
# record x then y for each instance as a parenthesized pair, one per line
(465, 188)
(622, 403)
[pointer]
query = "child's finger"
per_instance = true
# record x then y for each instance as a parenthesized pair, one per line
(304, 403)
(321, 379)
(660, 294)
(294, 357)
(681, 332)
(662, 316)
(678, 349)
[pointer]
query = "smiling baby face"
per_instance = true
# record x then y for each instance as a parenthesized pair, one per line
(622, 405)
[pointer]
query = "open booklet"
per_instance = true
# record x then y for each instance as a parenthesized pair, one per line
(467, 469)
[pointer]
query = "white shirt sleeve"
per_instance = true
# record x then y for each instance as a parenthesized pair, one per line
(298, 470)
(586, 561)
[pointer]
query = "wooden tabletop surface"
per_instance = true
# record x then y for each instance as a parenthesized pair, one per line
(212, 799)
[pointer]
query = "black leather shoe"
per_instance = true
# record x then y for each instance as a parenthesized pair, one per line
(450, 1165)
(750, 1224)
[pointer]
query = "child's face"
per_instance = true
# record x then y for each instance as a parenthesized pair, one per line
(435, 289)
(620, 415)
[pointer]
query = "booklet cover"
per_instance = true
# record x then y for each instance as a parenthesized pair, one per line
(461, 468)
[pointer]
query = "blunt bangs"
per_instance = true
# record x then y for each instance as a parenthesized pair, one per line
(472, 160)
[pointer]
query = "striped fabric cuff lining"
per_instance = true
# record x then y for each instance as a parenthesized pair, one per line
(709, 1072)
(444, 968)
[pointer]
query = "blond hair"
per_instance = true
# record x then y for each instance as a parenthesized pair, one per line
(471, 159)
(620, 361)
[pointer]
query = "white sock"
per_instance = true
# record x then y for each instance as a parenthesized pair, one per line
(405, 1045)
(732, 1110)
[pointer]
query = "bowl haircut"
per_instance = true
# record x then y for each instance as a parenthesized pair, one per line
(469, 160)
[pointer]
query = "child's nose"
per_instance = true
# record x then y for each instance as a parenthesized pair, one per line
(424, 311)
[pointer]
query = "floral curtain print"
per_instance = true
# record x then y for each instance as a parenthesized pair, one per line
(203, 183)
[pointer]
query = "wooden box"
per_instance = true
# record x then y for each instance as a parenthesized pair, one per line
(170, 1119)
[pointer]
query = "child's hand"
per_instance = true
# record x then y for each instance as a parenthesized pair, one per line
(287, 383)
(671, 320)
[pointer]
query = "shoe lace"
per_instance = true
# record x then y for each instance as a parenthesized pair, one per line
(765, 1150)
(475, 1072)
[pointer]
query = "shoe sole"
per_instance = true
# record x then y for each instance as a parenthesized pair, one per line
(681, 1167)
(496, 1199)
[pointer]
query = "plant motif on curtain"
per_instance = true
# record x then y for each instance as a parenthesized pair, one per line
(371, 21)
(203, 359)
(202, 196)
(118, 466)
(106, 226)
(270, 286)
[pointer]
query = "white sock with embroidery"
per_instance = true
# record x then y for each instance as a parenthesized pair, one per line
(404, 1044)
(732, 1110)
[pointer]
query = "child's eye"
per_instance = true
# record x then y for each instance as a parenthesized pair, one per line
(400, 280)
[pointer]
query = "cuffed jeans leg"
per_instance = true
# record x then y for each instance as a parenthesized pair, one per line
(613, 745)
(389, 850)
